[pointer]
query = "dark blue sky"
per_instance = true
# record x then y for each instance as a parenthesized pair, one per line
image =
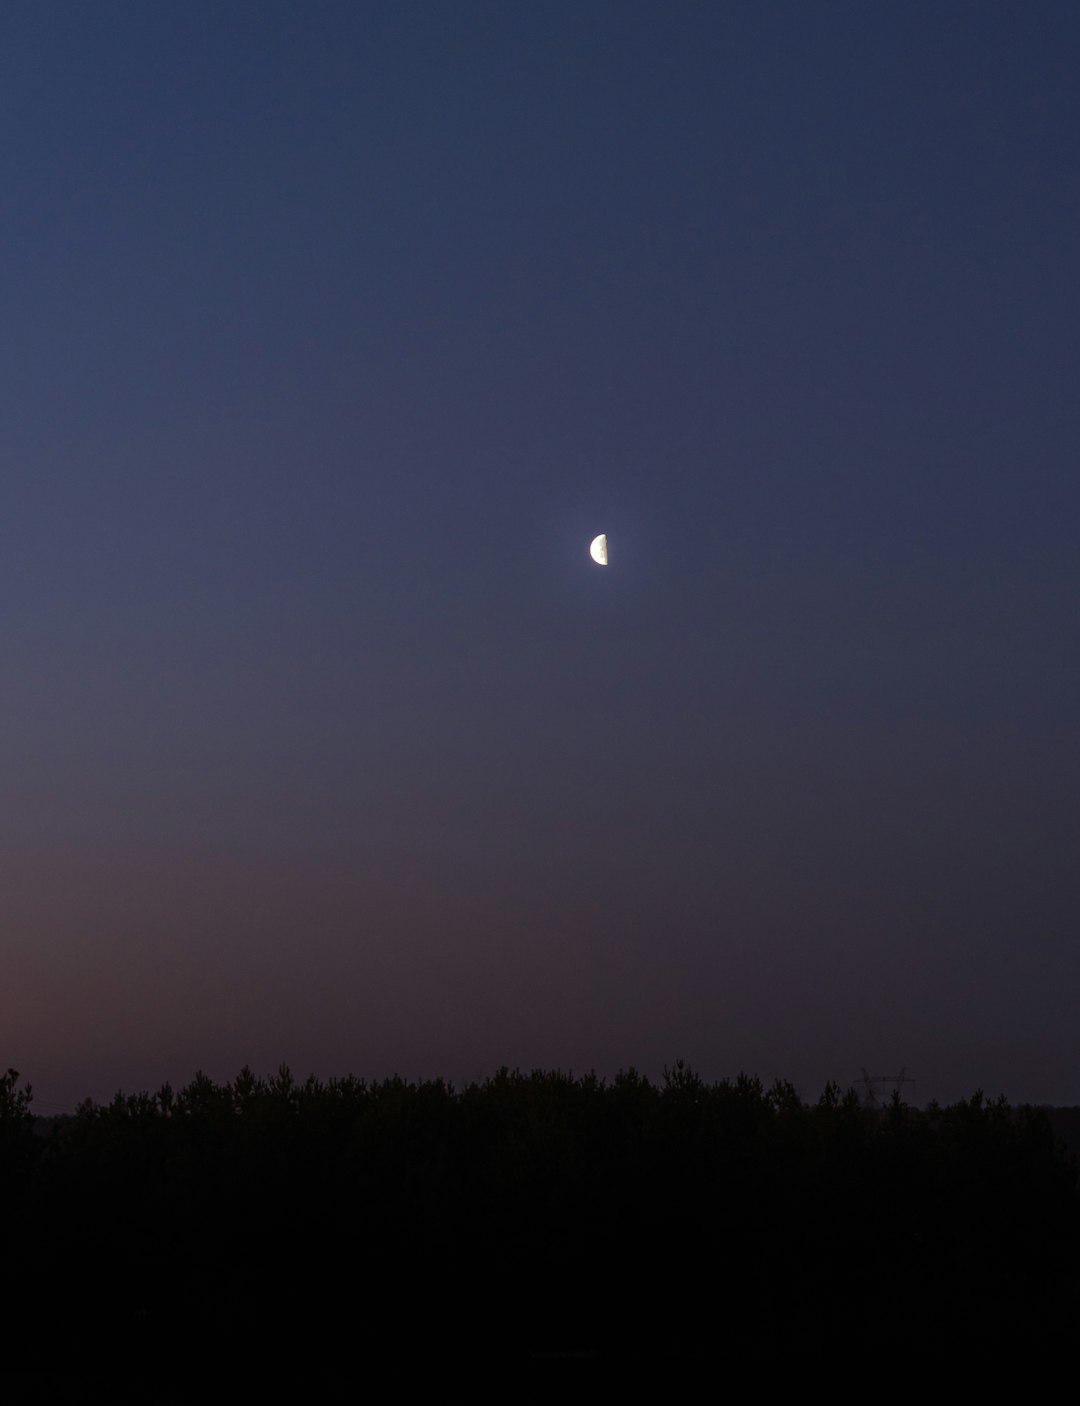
(329, 337)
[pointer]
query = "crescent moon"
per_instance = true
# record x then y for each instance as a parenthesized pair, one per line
(598, 550)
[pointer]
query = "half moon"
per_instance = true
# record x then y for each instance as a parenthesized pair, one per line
(598, 550)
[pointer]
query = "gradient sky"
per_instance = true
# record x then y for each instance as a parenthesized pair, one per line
(330, 334)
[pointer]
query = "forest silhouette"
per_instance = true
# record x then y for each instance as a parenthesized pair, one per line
(529, 1218)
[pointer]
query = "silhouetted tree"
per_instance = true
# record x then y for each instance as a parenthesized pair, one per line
(534, 1212)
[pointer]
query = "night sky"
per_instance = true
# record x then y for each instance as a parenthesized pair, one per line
(331, 334)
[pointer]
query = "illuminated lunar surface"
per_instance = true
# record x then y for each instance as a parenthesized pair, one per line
(598, 550)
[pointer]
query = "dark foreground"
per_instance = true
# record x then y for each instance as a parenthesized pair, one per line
(327, 1233)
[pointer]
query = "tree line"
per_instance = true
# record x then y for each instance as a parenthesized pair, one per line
(528, 1218)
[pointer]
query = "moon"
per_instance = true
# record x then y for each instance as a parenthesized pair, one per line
(598, 550)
